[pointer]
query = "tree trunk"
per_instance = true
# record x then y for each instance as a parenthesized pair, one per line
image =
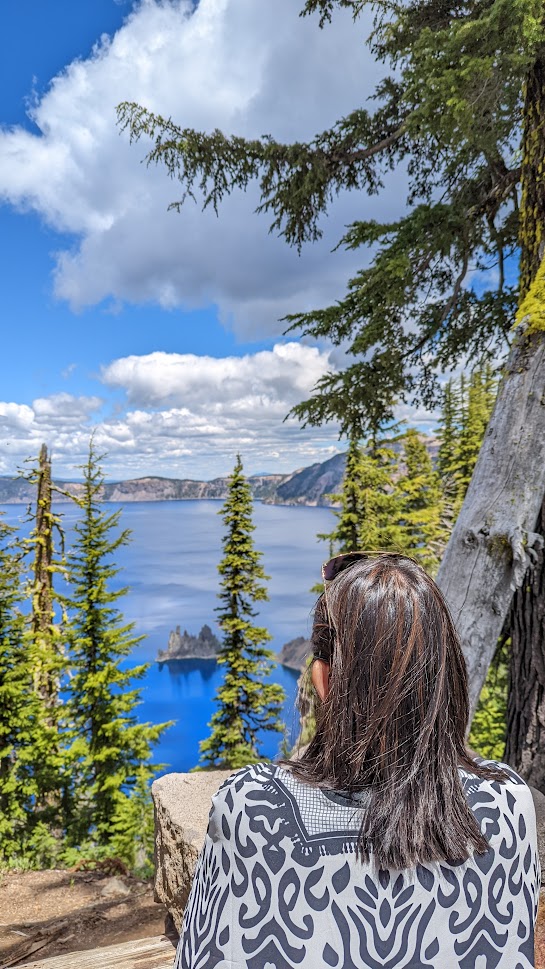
(493, 539)
(526, 622)
(532, 206)
(45, 682)
(525, 749)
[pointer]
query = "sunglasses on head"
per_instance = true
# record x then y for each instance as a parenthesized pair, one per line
(336, 565)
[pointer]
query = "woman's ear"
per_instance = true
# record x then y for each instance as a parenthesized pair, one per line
(320, 677)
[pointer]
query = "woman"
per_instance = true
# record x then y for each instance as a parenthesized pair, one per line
(386, 845)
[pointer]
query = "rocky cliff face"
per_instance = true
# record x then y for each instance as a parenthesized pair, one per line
(306, 486)
(185, 646)
(264, 488)
(312, 485)
(294, 654)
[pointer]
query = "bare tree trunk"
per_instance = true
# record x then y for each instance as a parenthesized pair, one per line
(45, 680)
(493, 539)
(525, 749)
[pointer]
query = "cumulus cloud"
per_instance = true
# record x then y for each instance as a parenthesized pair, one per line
(64, 409)
(183, 416)
(239, 65)
(268, 382)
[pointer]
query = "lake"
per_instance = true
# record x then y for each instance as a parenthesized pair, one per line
(170, 569)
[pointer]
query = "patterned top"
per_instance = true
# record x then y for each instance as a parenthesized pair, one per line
(278, 885)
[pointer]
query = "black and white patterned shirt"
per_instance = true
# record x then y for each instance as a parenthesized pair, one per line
(278, 885)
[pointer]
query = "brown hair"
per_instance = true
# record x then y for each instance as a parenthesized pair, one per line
(395, 716)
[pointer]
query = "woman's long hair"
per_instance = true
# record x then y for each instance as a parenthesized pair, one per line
(394, 720)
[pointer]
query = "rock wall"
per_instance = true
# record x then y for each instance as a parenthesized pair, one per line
(186, 646)
(295, 653)
(182, 805)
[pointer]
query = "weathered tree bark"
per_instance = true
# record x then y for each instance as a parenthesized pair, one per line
(532, 205)
(45, 681)
(526, 623)
(493, 539)
(525, 749)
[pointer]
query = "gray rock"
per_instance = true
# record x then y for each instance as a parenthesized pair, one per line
(186, 646)
(114, 886)
(295, 653)
(182, 805)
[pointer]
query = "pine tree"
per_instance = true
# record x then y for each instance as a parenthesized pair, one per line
(48, 663)
(48, 659)
(110, 750)
(379, 526)
(368, 516)
(419, 497)
(345, 536)
(465, 413)
(489, 726)
(475, 420)
(133, 827)
(246, 704)
(17, 709)
(448, 432)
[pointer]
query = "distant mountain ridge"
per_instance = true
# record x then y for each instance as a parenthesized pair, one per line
(306, 486)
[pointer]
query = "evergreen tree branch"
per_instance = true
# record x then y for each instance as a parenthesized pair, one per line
(297, 182)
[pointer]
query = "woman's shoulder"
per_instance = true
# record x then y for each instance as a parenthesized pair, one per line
(240, 781)
(503, 807)
(511, 775)
(502, 778)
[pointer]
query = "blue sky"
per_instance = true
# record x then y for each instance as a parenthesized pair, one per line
(159, 330)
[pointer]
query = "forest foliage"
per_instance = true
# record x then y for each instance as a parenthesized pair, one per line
(75, 763)
(396, 498)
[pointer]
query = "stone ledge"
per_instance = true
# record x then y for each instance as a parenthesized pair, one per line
(182, 804)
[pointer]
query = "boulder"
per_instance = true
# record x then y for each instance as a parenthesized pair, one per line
(115, 886)
(182, 805)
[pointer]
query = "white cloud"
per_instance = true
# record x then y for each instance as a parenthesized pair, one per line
(265, 383)
(185, 416)
(64, 409)
(244, 66)
(18, 417)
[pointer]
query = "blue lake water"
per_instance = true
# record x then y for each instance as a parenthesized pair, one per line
(170, 567)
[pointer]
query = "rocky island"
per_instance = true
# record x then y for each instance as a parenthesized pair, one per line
(186, 646)
(294, 654)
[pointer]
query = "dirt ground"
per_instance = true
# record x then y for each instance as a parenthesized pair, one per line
(47, 913)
